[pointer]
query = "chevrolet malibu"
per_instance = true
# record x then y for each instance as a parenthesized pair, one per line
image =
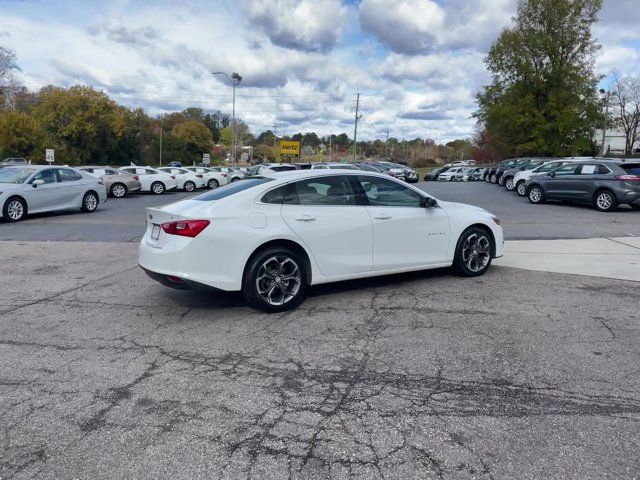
(37, 189)
(272, 236)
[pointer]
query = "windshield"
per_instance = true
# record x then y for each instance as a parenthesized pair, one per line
(232, 188)
(15, 175)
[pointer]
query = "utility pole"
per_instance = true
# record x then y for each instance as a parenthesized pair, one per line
(604, 127)
(161, 141)
(235, 80)
(386, 147)
(355, 127)
(330, 150)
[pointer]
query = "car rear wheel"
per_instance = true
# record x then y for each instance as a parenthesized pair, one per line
(521, 188)
(235, 179)
(14, 210)
(501, 181)
(189, 186)
(275, 280)
(494, 178)
(118, 190)
(508, 184)
(157, 188)
(473, 252)
(213, 183)
(90, 202)
(536, 194)
(605, 201)
(635, 207)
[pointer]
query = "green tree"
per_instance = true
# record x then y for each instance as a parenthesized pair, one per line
(21, 136)
(542, 99)
(195, 136)
(226, 136)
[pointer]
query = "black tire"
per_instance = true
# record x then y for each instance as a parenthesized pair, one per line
(90, 202)
(118, 190)
(474, 243)
(259, 264)
(213, 183)
(189, 186)
(536, 194)
(605, 200)
(494, 178)
(508, 184)
(235, 179)
(14, 209)
(501, 180)
(635, 207)
(521, 188)
(157, 188)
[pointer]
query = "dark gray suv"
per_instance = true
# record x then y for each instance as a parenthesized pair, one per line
(603, 183)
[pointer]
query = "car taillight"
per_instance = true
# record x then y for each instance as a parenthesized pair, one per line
(136, 178)
(185, 228)
(199, 175)
(628, 178)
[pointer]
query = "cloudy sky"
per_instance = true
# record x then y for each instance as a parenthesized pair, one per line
(416, 63)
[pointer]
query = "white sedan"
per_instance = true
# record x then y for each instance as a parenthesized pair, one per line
(187, 180)
(153, 180)
(273, 236)
(212, 178)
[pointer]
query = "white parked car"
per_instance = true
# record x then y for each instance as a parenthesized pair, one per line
(38, 188)
(520, 178)
(153, 180)
(273, 236)
(187, 180)
(264, 168)
(451, 174)
(232, 174)
(211, 178)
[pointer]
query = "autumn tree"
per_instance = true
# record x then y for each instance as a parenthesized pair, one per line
(542, 99)
(195, 136)
(20, 136)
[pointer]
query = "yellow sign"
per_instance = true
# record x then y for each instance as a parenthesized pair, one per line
(289, 147)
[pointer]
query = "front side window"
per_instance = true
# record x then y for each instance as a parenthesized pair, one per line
(67, 175)
(387, 193)
(48, 175)
(334, 190)
(565, 170)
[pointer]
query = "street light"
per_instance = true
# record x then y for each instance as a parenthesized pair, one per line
(235, 80)
(606, 114)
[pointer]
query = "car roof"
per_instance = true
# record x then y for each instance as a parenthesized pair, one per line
(291, 175)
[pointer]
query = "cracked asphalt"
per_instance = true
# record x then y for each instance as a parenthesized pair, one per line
(516, 374)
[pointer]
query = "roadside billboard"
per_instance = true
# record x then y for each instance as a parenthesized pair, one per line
(289, 147)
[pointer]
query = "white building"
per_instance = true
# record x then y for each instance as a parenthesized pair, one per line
(614, 142)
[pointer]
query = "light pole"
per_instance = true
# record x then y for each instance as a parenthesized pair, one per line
(235, 80)
(606, 114)
(161, 141)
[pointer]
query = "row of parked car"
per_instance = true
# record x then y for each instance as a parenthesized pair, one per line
(456, 173)
(605, 183)
(26, 188)
(397, 170)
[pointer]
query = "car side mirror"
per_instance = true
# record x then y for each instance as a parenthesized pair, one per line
(430, 202)
(37, 182)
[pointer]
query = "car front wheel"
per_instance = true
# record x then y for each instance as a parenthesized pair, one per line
(275, 280)
(508, 184)
(90, 202)
(473, 252)
(536, 194)
(606, 201)
(118, 190)
(213, 183)
(521, 188)
(494, 178)
(14, 210)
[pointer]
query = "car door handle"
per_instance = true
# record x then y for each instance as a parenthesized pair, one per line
(305, 218)
(382, 216)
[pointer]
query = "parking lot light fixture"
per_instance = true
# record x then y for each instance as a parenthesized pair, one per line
(235, 80)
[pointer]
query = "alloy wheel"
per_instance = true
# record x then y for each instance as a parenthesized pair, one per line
(189, 186)
(522, 189)
(476, 252)
(15, 210)
(157, 188)
(535, 195)
(118, 191)
(509, 184)
(212, 184)
(604, 201)
(90, 202)
(279, 280)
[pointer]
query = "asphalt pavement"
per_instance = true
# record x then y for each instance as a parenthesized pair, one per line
(122, 220)
(517, 374)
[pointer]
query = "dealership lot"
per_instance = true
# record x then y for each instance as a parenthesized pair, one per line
(516, 374)
(122, 220)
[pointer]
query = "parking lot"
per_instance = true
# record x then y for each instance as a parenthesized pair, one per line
(517, 374)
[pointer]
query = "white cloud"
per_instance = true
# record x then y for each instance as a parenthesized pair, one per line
(306, 25)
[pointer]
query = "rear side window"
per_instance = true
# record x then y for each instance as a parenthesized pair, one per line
(232, 188)
(67, 175)
(632, 169)
(274, 196)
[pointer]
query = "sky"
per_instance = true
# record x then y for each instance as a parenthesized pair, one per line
(416, 63)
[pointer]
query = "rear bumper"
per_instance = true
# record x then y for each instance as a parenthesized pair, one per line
(177, 282)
